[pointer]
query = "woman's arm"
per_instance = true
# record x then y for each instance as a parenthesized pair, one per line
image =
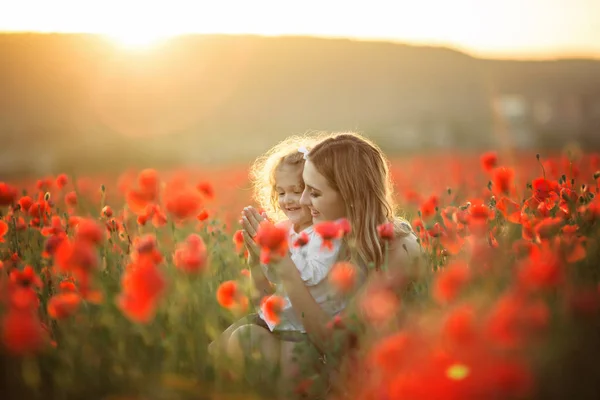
(261, 283)
(313, 318)
(306, 308)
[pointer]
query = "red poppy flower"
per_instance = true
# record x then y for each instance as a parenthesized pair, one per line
(412, 197)
(22, 332)
(23, 298)
(107, 211)
(271, 307)
(436, 230)
(379, 305)
(26, 278)
(8, 194)
(548, 227)
(206, 189)
(228, 294)
(510, 209)
(143, 285)
(191, 257)
(55, 228)
(503, 180)
(343, 276)
(390, 353)
(61, 181)
(138, 200)
(450, 281)
(3, 230)
(146, 247)
(67, 286)
(451, 240)
(25, 203)
(459, 326)
(513, 319)
(238, 240)
(183, 204)
(272, 239)
(301, 240)
(328, 231)
(75, 255)
(542, 270)
(479, 215)
(63, 305)
(489, 161)
(344, 226)
(71, 199)
(88, 230)
(386, 231)
(428, 207)
(158, 217)
(542, 188)
(45, 184)
(148, 181)
(203, 216)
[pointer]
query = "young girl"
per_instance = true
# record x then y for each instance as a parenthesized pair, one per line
(278, 186)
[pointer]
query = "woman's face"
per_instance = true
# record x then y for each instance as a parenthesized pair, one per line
(325, 203)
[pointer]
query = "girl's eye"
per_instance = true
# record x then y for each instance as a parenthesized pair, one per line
(281, 194)
(313, 194)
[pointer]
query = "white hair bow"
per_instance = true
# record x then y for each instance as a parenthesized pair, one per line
(304, 151)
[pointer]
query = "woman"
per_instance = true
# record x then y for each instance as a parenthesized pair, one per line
(345, 176)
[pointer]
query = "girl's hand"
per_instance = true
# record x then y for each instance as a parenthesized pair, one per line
(251, 220)
(252, 247)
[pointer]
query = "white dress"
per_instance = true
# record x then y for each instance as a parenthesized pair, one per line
(314, 263)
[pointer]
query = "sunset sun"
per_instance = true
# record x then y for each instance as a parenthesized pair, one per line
(138, 39)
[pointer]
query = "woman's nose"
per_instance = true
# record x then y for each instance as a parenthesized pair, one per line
(305, 199)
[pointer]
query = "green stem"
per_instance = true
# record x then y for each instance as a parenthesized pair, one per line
(541, 165)
(386, 254)
(15, 236)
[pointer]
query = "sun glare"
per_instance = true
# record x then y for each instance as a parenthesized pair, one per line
(138, 40)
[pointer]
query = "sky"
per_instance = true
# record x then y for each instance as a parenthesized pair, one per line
(488, 28)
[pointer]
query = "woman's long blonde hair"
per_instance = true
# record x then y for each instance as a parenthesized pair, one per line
(262, 172)
(359, 171)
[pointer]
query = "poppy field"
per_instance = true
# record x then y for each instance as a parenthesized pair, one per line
(112, 287)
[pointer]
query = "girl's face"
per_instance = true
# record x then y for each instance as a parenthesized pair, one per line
(324, 202)
(289, 187)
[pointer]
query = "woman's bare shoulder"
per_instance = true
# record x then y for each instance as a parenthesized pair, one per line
(406, 255)
(405, 247)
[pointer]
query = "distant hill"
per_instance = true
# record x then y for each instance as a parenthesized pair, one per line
(79, 98)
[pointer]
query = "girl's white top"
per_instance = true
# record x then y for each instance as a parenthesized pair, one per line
(314, 263)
